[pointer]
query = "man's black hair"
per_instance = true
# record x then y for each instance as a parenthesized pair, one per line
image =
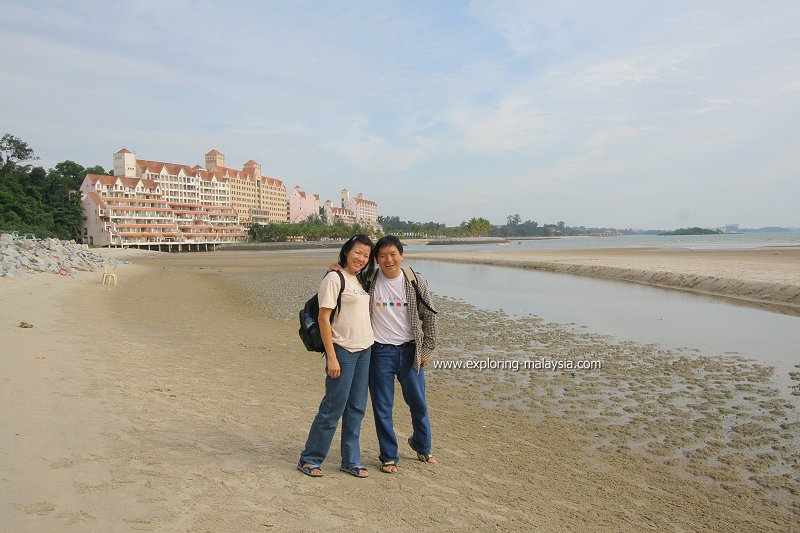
(388, 240)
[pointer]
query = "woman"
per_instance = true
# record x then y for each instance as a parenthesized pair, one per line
(348, 340)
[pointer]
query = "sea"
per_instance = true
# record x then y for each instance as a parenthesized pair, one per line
(732, 241)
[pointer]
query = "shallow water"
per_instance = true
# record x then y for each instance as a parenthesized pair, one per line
(740, 241)
(627, 311)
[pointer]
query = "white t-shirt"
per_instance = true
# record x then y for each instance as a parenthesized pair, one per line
(390, 320)
(351, 326)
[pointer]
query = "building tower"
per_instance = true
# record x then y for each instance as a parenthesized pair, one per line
(125, 164)
(248, 167)
(214, 160)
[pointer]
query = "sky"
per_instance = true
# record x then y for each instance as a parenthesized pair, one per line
(626, 114)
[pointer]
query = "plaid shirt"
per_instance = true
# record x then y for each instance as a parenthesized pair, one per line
(423, 321)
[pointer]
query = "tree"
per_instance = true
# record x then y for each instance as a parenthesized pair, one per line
(514, 220)
(14, 150)
(477, 226)
(33, 200)
(71, 172)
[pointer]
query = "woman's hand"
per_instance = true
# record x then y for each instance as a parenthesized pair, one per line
(335, 266)
(325, 331)
(334, 370)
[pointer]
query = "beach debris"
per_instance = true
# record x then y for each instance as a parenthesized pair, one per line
(25, 325)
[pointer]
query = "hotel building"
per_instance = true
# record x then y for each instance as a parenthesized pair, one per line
(134, 212)
(356, 210)
(147, 203)
(255, 197)
(333, 214)
(302, 206)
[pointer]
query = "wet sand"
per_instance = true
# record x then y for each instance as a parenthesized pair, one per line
(180, 399)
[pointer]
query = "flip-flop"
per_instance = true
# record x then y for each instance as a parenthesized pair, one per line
(386, 464)
(424, 457)
(354, 470)
(307, 470)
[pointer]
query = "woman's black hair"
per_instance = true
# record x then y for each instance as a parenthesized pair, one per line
(366, 272)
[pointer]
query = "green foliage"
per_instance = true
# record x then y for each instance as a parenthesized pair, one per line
(310, 230)
(477, 227)
(692, 231)
(393, 225)
(530, 228)
(14, 150)
(33, 200)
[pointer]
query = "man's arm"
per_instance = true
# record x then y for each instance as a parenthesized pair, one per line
(428, 318)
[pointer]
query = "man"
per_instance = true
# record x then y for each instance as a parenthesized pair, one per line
(404, 325)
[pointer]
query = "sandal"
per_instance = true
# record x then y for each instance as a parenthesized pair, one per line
(355, 470)
(307, 470)
(424, 457)
(385, 465)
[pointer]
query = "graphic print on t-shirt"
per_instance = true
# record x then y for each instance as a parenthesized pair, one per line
(390, 304)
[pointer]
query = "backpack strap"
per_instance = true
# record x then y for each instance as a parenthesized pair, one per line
(412, 278)
(339, 298)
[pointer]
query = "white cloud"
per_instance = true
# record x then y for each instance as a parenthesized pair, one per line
(515, 123)
(373, 155)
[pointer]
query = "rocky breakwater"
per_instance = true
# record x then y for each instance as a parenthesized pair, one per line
(48, 255)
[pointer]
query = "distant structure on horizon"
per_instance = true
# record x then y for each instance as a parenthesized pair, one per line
(149, 203)
(731, 228)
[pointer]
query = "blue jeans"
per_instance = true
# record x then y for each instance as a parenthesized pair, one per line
(387, 362)
(345, 398)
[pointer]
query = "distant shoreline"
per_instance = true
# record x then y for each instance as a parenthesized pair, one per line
(305, 245)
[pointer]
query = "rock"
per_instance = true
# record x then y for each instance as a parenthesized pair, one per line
(47, 255)
(6, 238)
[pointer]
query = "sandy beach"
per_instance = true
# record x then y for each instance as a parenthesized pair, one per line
(179, 400)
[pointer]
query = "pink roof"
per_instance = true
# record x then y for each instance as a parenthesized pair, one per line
(102, 178)
(133, 182)
(156, 167)
(97, 200)
(273, 181)
(215, 152)
(124, 151)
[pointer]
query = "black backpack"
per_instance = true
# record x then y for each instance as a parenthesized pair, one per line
(309, 328)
